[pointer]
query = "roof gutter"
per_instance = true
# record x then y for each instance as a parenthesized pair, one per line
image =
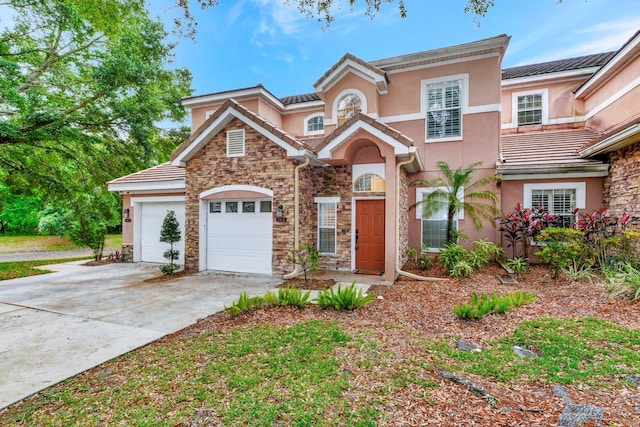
(397, 263)
(296, 215)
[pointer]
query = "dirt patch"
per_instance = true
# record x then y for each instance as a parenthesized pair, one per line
(166, 277)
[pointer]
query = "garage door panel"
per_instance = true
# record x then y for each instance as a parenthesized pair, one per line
(152, 216)
(240, 241)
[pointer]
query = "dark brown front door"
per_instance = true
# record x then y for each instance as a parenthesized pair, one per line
(370, 235)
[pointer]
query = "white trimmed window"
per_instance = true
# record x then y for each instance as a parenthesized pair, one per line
(348, 106)
(444, 109)
(327, 224)
(314, 125)
(235, 143)
(530, 107)
(434, 228)
(559, 199)
(369, 182)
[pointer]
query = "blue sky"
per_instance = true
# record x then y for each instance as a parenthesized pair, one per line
(242, 43)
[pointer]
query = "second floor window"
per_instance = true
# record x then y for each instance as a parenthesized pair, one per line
(444, 109)
(315, 124)
(530, 109)
(348, 106)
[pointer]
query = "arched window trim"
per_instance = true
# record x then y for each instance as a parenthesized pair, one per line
(336, 101)
(306, 124)
(372, 188)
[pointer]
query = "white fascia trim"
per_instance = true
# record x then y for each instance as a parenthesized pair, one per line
(545, 104)
(216, 126)
(238, 187)
(325, 153)
(306, 124)
(351, 66)
(538, 78)
(170, 186)
(537, 176)
(580, 187)
(157, 199)
(611, 142)
(594, 82)
(441, 63)
(613, 98)
(326, 199)
(223, 96)
(293, 108)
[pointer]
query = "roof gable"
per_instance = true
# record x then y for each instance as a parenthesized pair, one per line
(351, 64)
(220, 118)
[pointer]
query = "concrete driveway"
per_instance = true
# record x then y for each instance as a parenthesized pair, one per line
(57, 325)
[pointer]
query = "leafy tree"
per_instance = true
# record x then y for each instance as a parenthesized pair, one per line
(321, 10)
(170, 233)
(84, 84)
(456, 193)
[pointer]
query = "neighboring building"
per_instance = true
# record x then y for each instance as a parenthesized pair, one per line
(261, 175)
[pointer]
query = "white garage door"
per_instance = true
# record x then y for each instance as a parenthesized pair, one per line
(151, 216)
(240, 236)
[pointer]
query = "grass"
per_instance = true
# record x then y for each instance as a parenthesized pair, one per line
(48, 243)
(16, 269)
(572, 351)
(250, 375)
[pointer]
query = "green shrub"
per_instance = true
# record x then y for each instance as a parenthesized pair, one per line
(294, 297)
(518, 265)
(480, 305)
(348, 298)
(425, 262)
(562, 247)
(461, 262)
(462, 268)
(490, 250)
(243, 304)
(307, 259)
(270, 298)
(624, 280)
(452, 254)
(577, 271)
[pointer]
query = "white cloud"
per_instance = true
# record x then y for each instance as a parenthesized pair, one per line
(597, 38)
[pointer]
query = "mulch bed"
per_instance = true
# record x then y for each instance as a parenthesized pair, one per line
(412, 311)
(313, 283)
(166, 277)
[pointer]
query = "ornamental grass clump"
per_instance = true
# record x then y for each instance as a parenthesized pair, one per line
(244, 303)
(294, 297)
(348, 298)
(483, 304)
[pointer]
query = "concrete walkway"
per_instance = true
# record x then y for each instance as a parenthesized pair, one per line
(57, 325)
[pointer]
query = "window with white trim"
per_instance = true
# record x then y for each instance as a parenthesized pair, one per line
(327, 219)
(434, 227)
(444, 109)
(348, 106)
(235, 143)
(369, 182)
(559, 199)
(529, 109)
(315, 125)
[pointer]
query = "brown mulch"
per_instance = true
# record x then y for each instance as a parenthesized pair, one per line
(103, 261)
(165, 277)
(412, 311)
(313, 283)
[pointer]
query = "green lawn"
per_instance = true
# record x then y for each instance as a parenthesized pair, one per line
(313, 373)
(16, 269)
(49, 243)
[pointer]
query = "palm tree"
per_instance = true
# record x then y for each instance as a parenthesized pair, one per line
(455, 192)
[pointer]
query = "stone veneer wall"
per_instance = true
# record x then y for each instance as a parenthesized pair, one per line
(328, 182)
(622, 185)
(264, 165)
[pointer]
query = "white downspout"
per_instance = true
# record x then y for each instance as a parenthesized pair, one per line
(398, 270)
(296, 214)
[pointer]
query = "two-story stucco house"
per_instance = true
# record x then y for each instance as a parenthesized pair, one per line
(261, 175)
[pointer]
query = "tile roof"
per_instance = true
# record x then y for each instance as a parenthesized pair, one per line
(346, 57)
(297, 99)
(162, 172)
(386, 129)
(587, 61)
(286, 137)
(549, 148)
(606, 135)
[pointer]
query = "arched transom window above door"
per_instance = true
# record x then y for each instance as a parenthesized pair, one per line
(369, 182)
(348, 106)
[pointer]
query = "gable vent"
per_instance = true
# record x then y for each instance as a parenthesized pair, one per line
(235, 143)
